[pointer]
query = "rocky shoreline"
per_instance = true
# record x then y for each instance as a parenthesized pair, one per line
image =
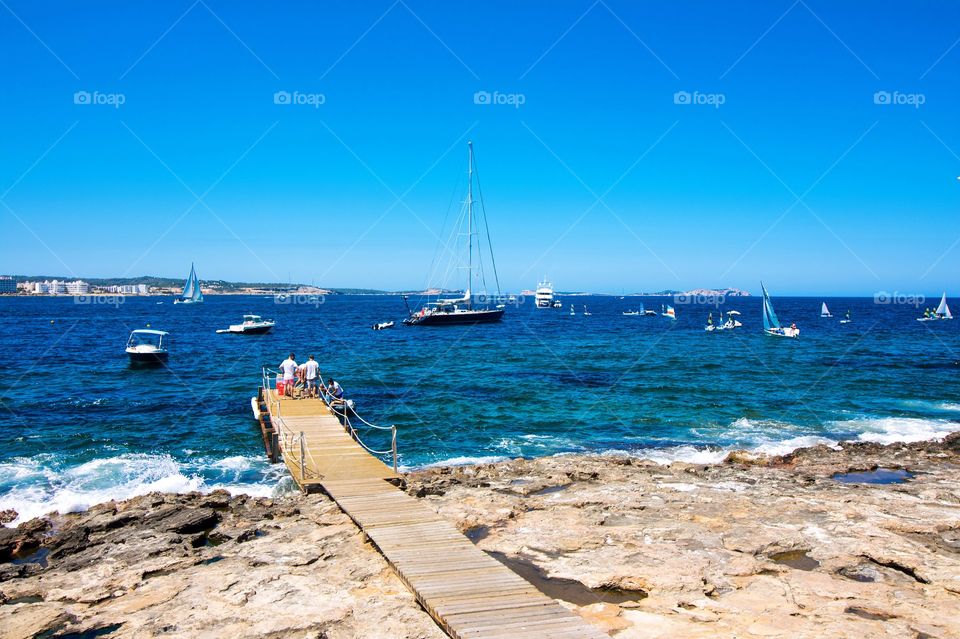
(792, 546)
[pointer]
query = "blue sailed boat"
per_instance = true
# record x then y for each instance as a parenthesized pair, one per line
(771, 324)
(191, 290)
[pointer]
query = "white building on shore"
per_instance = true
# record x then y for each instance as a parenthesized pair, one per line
(78, 287)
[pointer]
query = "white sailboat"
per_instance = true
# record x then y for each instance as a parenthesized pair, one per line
(585, 311)
(771, 324)
(942, 312)
(846, 319)
(572, 312)
(824, 311)
(191, 289)
(670, 312)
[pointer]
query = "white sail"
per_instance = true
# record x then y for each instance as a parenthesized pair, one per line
(824, 311)
(943, 310)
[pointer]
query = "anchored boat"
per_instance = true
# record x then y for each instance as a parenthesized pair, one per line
(544, 294)
(771, 324)
(824, 311)
(147, 346)
(191, 290)
(251, 325)
(463, 310)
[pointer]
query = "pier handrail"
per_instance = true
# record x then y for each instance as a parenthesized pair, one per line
(287, 436)
(344, 414)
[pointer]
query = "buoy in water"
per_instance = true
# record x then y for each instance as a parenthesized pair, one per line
(51, 321)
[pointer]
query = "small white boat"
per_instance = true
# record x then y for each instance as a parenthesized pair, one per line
(252, 325)
(147, 346)
(645, 312)
(824, 311)
(630, 313)
(942, 312)
(585, 311)
(572, 312)
(846, 319)
(732, 318)
(771, 324)
(670, 312)
(382, 325)
(558, 304)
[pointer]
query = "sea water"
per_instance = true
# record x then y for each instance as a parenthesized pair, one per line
(81, 426)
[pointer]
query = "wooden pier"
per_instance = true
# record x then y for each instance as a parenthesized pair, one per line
(467, 592)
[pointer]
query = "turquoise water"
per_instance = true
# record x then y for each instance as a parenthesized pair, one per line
(82, 426)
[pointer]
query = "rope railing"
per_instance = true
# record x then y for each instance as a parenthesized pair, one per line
(340, 408)
(344, 414)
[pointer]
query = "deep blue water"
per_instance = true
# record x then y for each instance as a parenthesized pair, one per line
(81, 425)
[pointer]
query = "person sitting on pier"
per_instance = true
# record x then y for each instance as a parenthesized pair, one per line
(335, 391)
(289, 369)
(310, 369)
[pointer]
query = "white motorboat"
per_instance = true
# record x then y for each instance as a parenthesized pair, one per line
(147, 346)
(630, 313)
(382, 325)
(251, 325)
(544, 294)
(557, 304)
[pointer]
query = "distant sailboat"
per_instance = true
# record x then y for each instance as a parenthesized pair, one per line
(585, 311)
(942, 312)
(670, 312)
(846, 319)
(824, 311)
(771, 324)
(645, 312)
(572, 312)
(191, 290)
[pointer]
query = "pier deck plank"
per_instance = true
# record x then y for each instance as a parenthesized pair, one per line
(470, 594)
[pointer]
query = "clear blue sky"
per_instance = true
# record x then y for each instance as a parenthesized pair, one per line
(692, 195)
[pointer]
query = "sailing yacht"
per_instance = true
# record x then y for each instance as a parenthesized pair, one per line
(645, 312)
(670, 312)
(462, 310)
(942, 312)
(585, 311)
(191, 290)
(544, 294)
(771, 324)
(846, 319)
(824, 311)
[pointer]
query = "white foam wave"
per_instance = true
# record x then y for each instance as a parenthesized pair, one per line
(888, 430)
(33, 488)
(462, 461)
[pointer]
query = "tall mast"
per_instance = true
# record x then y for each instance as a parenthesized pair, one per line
(470, 226)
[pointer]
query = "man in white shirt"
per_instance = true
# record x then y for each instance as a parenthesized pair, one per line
(289, 369)
(310, 370)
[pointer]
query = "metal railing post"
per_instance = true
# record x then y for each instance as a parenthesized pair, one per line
(303, 472)
(393, 446)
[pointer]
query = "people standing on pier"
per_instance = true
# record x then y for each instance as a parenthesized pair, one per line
(289, 369)
(310, 370)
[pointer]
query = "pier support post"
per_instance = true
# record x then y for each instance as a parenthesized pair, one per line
(393, 446)
(303, 474)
